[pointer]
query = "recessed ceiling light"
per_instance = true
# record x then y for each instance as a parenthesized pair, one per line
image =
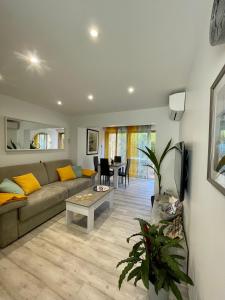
(93, 31)
(1, 77)
(90, 97)
(59, 103)
(33, 60)
(130, 89)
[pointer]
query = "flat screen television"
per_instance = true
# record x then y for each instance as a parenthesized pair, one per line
(180, 169)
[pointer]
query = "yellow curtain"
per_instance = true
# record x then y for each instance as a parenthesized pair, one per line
(132, 151)
(108, 131)
(133, 141)
(36, 140)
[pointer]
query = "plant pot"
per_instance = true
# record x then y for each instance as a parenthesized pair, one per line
(162, 295)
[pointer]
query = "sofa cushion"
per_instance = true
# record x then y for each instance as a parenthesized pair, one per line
(43, 199)
(74, 186)
(78, 171)
(28, 182)
(8, 186)
(38, 169)
(66, 173)
(51, 167)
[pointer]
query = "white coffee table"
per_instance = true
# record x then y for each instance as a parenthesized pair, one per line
(85, 203)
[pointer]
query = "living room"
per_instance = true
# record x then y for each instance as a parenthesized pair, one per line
(73, 72)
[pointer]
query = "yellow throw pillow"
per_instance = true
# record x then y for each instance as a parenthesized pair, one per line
(28, 183)
(8, 197)
(66, 173)
(88, 173)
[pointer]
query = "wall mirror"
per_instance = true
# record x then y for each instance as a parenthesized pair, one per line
(26, 135)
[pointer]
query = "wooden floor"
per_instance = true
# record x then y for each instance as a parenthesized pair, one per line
(54, 262)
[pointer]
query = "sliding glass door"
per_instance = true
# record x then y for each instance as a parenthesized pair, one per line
(125, 141)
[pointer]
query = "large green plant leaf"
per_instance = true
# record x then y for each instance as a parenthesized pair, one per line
(152, 157)
(127, 260)
(145, 273)
(161, 276)
(177, 256)
(135, 250)
(174, 266)
(135, 272)
(175, 290)
(138, 277)
(133, 235)
(143, 224)
(124, 273)
(165, 151)
(150, 166)
(171, 244)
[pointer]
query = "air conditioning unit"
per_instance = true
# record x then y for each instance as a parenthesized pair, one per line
(177, 105)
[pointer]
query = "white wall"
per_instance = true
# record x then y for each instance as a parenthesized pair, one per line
(204, 204)
(15, 108)
(165, 128)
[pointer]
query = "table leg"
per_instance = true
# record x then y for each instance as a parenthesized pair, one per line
(69, 217)
(99, 174)
(115, 178)
(111, 196)
(90, 220)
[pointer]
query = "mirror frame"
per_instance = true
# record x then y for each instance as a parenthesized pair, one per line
(25, 150)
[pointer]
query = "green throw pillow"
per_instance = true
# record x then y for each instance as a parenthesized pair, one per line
(8, 186)
(78, 171)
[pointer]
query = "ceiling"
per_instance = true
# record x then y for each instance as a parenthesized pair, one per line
(149, 44)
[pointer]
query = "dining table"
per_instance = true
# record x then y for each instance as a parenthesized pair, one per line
(115, 167)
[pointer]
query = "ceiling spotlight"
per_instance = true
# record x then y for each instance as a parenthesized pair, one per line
(1, 77)
(33, 61)
(93, 31)
(131, 89)
(59, 103)
(90, 97)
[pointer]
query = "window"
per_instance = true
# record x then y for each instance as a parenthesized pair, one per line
(125, 141)
(42, 141)
(61, 140)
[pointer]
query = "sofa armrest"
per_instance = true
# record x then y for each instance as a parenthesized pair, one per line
(9, 222)
(12, 206)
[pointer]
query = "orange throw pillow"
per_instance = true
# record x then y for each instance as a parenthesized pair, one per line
(28, 183)
(66, 173)
(88, 172)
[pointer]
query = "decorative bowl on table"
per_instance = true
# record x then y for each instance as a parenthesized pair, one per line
(100, 188)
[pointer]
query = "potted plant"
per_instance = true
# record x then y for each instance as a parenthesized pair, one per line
(157, 162)
(152, 261)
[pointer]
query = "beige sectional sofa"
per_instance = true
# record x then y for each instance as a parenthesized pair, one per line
(18, 218)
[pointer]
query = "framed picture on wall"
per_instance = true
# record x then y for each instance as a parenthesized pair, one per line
(216, 154)
(92, 142)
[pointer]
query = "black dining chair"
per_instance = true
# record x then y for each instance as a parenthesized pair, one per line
(125, 174)
(105, 171)
(95, 159)
(117, 159)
